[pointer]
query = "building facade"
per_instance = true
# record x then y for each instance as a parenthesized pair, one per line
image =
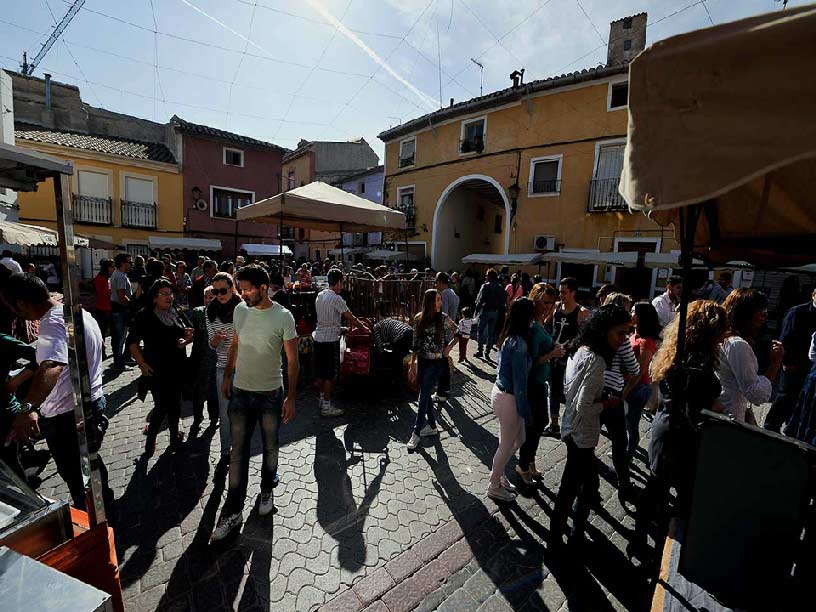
(531, 168)
(367, 184)
(223, 171)
(328, 162)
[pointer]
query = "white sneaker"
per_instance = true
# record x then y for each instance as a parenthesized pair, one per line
(413, 442)
(428, 431)
(226, 524)
(507, 484)
(267, 504)
(327, 409)
(499, 494)
(439, 399)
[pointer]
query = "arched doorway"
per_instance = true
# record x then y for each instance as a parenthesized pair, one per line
(471, 216)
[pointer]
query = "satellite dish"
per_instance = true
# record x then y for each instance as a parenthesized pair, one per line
(201, 204)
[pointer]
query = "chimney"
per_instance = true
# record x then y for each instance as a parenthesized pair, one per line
(518, 77)
(627, 38)
(47, 91)
(451, 102)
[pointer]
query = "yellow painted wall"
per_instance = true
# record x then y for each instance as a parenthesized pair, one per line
(573, 121)
(38, 207)
(304, 171)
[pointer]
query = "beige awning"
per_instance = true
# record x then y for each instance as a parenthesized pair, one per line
(726, 115)
(320, 206)
(512, 259)
(22, 234)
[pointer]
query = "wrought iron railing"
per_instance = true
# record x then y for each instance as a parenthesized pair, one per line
(472, 145)
(604, 196)
(87, 209)
(542, 187)
(404, 162)
(410, 214)
(138, 214)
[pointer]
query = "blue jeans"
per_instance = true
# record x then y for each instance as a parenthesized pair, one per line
(487, 326)
(245, 410)
(634, 408)
(428, 373)
(223, 414)
(119, 324)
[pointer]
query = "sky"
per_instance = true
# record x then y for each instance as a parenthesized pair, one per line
(282, 70)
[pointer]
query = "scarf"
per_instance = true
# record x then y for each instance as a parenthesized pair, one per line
(223, 312)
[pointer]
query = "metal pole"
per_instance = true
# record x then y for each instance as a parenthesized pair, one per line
(280, 233)
(342, 247)
(77, 357)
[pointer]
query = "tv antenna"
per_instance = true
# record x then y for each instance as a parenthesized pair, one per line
(481, 75)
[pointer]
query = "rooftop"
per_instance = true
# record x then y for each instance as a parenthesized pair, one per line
(112, 145)
(214, 133)
(305, 145)
(503, 96)
(361, 173)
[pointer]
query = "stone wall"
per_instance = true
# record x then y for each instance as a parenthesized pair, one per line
(627, 38)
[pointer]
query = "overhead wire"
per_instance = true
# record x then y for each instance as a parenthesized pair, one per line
(157, 80)
(240, 63)
(589, 19)
(489, 31)
(705, 6)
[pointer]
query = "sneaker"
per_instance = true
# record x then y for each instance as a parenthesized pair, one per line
(477, 354)
(439, 399)
(508, 485)
(267, 504)
(552, 431)
(413, 442)
(275, 480)
(428, 431)
(525, 475)
(499, 494)
(327, 409)
(226, 525)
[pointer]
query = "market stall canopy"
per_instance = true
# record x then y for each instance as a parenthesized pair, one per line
(265, 249)
(388, 255)
(348, 251)
(320, 206)
(513, 259)
(725, 116)
(22, 234)
(169, 242)
(22, 170)
(628, 260)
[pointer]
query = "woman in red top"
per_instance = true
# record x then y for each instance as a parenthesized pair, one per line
(102, 309)
(638, 389)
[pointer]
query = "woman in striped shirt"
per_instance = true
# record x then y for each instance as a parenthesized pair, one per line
(220, 332)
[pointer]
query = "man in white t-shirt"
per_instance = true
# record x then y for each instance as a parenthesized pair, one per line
(331, 310)
(12, 265)
(49, 404)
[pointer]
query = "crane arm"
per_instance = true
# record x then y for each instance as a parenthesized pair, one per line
(28, 69)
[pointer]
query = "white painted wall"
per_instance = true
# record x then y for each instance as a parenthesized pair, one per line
(8, 198)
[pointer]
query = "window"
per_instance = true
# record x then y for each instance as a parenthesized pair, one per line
(473, 136)
(92, 202)
(233, 157)
(603, 189)
(225, 202)
(609, 164)
(497, 225)
(545, 176)
(627, 23)
(92, 184)
(291, 180)
(138, 190)
(361, 188)
(618, 96)
(407, 153)
(138, 249)
(627, 44)
(405, 204)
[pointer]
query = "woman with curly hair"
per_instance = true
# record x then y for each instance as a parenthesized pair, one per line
(590, 355)
(673, 444)
(742, 385)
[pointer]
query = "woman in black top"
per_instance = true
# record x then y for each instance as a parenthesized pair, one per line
(165, 333)
(673, 444)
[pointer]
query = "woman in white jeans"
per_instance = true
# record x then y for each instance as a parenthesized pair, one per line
(509, 395)
(220, 332)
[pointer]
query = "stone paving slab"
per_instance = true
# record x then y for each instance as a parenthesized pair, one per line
(360, 522)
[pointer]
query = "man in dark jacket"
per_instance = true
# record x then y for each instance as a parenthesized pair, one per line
(798, 327)
(489, 301)
(202, 282)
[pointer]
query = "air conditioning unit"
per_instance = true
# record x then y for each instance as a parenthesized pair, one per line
(544, 242)
(201, 204)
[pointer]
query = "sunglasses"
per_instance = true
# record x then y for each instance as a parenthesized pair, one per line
(165, 294)
(223, 291)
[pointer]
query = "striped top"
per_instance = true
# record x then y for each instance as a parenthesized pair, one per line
(624, 362)
(222, 350)
(389, 331)
(330, 307)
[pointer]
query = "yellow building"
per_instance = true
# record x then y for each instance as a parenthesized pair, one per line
(531, 168)
(124, 192)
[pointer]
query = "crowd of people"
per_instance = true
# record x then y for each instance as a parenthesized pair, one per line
(563, 369)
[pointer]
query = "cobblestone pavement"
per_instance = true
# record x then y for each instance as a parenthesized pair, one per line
(360, 522)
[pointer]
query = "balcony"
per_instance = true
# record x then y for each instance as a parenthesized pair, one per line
(544, 187)
(138, 214)
(604, 196)
(404, 162)
(471, 145)
(95, 211)
(410, 214)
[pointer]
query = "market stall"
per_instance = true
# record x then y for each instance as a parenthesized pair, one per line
(82, 547)
(732, 166)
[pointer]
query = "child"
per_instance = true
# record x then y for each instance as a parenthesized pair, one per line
(465, 324)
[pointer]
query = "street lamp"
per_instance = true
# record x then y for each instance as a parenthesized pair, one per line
(513, 190)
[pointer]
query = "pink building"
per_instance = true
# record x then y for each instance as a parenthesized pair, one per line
(222, 172)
